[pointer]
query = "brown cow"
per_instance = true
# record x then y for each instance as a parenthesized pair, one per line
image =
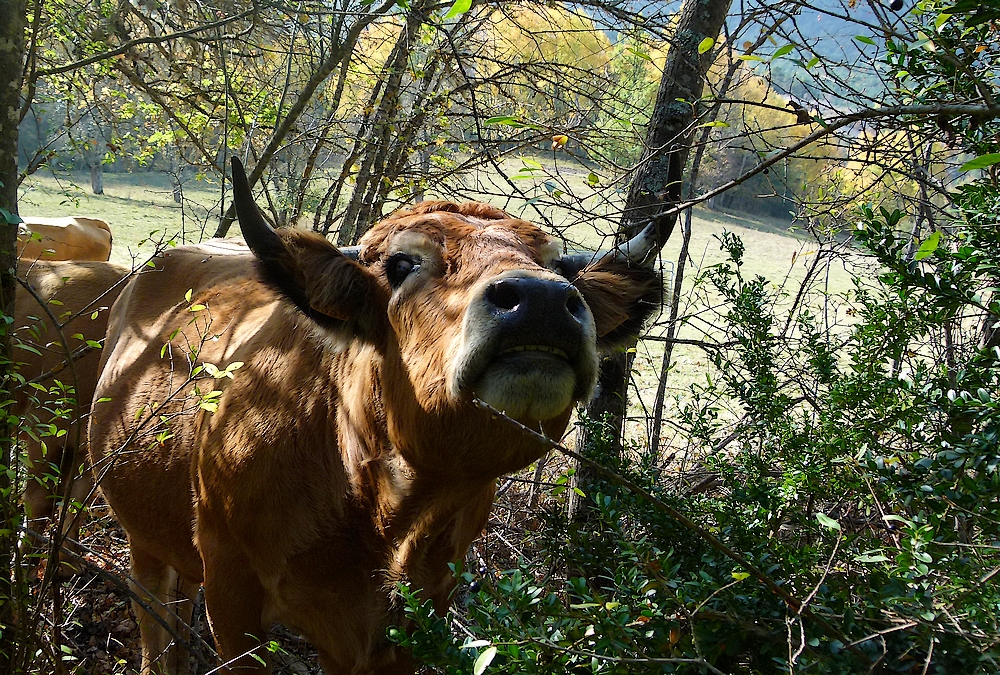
(346, 454)
(81, 294)
(69, 238)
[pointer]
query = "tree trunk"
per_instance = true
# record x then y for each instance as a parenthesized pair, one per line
(656, 184)
(97, 177)
(12, 23)
(375, 144)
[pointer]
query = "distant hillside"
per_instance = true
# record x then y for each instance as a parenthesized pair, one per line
(830, 37)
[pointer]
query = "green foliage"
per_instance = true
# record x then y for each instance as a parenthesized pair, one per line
(952, 59)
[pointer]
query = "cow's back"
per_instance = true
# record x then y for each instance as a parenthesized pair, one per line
(69, 238)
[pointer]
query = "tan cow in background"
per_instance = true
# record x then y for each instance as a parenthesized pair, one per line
(69, 238)
(81, 294)
(346, 453)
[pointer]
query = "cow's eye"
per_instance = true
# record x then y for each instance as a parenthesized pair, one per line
(399, 266)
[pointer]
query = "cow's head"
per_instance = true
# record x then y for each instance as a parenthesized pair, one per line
(474, 302)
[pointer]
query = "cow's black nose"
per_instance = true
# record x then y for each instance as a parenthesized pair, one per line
(539, 301)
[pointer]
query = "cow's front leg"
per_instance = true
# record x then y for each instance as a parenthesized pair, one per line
(234, 602)
(170, 597)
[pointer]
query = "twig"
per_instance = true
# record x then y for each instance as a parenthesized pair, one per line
(74, 356)
(157, 39)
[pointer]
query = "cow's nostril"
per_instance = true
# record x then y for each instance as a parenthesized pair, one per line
(574, 303)
(503, 295)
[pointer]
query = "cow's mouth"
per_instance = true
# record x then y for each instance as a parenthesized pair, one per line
(529, 382)
(528, 346)
(532, 350)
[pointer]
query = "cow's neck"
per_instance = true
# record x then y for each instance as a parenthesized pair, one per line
(428, 480)
(423, 519)
(432, 527)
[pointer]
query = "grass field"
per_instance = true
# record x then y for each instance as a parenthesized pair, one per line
(139, 207)
(141, 211)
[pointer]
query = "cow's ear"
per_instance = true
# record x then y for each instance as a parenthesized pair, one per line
(621, 295)
(329, 287)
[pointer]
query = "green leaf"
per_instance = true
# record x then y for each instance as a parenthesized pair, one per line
(460, 7)
(705, 45)
(10, 218)
(592, 179)
(827, 522)
(641, 55)
(812, 62)
(750, 57)
(870, 558)
(981, 162)
(187, 296)
(531, 164)
(782, 51)
(509, 120)
(484, 660)
(716, 123)
(864, 39)
(928, 247)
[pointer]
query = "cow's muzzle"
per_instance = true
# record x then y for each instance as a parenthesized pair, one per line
(528, 345)
(535, 312)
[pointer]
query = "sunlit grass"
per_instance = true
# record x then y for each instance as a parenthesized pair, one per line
(141, 210)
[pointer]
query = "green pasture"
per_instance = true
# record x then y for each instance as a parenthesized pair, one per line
(141, 211)
(139, 207)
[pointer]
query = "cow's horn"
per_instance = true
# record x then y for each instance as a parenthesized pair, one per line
(260, 237)
(638, 248)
